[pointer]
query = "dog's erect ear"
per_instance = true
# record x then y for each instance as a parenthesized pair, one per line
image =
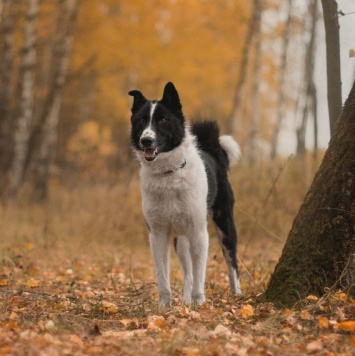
(138, 99)
(171, 97)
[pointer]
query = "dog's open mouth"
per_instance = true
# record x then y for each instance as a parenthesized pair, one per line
(150, 154)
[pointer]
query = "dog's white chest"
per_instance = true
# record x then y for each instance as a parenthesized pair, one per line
(176, 200)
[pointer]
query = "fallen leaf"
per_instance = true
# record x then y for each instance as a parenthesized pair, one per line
(312, 298)
(305, 315)
(323, 322)
(156, 322)
(33, 283)
(221, 330)
(351, 53)
(30, 246)
(195, 315)
(247, 311)
(314, 346)
(4, 282)
(346, 325)
(109, 307)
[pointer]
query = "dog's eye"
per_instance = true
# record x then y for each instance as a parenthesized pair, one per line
(163, 121)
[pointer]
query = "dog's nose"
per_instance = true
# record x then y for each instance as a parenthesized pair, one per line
(147, 141)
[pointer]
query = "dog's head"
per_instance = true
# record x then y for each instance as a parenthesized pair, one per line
(157, 125)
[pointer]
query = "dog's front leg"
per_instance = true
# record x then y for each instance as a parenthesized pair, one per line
(159, 244)
(199, 254)
(182, 246)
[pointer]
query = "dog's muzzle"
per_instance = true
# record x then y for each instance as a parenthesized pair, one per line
(149, 147)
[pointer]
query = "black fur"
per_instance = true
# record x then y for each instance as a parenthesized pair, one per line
(220, 194)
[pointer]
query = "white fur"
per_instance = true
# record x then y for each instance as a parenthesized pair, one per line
(231, 147)
(148, 132)
(177, 202)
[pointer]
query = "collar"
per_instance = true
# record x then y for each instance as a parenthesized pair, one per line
(175, 169)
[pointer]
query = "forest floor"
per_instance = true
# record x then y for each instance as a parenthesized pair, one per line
(77, 278)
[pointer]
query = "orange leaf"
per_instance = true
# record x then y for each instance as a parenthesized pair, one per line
(247, 311)
(32, 283)
(305, 315)
(346, 325)
(323, 322)
(156, 322)
(4, 282)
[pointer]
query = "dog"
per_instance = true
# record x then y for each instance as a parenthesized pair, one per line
(183, 175)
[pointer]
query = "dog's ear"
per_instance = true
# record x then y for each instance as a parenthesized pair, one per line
(138, 99)
(171, 97)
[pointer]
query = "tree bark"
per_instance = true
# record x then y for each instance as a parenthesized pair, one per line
(27, 81)
(282, 80)
(320, 249)
(331, 24)
(233, 120)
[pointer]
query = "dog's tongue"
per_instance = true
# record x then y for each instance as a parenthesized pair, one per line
(149, 153)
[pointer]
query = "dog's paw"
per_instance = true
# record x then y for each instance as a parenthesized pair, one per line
(198, 299)
(165, 301)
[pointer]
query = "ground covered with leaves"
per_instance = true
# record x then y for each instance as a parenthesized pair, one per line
(83, 308)
(77, 278)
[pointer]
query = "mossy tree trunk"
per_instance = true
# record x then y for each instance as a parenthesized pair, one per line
(320, 250)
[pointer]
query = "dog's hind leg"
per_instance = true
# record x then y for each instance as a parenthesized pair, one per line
(223, 219)
(159, 244)
(182, 248)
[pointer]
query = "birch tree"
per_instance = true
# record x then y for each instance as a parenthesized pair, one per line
(6, 70)
(233, 120)
(310, 99)
(282, 81)
(331, 24)
(67, 10)
(27, 81)
(255, 100)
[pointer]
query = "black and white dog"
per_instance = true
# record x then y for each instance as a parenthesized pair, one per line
(183, 176)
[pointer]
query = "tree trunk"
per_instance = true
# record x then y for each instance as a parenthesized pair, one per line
(233, 120)
(63, 47)
(320, 249)
(5, 84)
(27, 81)
(331, 24)
(282, 80)
(255, 104)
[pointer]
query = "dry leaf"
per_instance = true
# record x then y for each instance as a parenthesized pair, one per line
(30, 246)
(247, 311)
(312, 298)
(156, 322)
(4, 282)
(221, 330)
(314, 346)
(184, 311)
(351, 53)
(32, 283)
(323, 322)
(195, 315)
(305, 315)
(109, 307)
(346, 325)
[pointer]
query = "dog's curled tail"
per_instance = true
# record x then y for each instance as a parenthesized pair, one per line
(231, 147)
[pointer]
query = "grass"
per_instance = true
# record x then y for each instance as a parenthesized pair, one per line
(76, 277)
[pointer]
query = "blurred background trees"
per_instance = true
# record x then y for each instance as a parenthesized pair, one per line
(66, 67)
